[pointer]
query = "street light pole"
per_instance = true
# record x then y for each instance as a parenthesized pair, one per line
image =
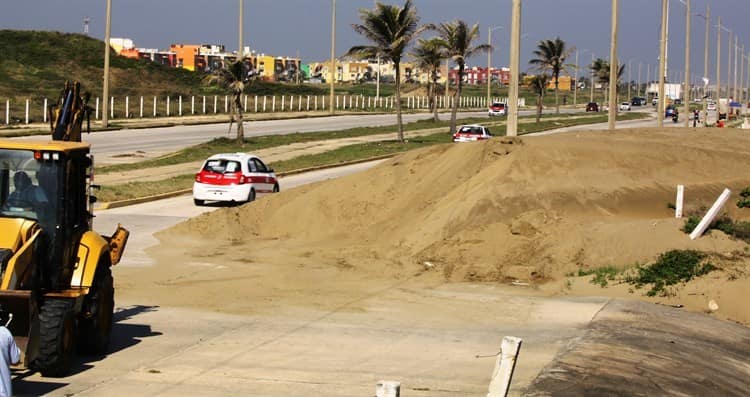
(662, 65)
(591, 97)
(515, 66)
(331, 105)
(686, 96)
(241, 45)
(734, 79)
(705, 50)
(613, 69)
(718, 59)
(105, 94)
(630, 79)
(575, 86)
(639, 79)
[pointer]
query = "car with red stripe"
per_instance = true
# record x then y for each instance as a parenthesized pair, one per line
(470, 133)
(233, 177)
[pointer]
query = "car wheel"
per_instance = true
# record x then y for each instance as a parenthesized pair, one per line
(251, 196)
(199, 203)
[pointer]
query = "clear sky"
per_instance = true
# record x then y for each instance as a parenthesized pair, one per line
(284, 27)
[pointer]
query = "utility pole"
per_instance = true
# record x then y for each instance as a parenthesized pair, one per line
(575, 86)
(662, 65)
(705, 51)
(630, 79)
(105, 94)
(729, 66)
(613, 69)
(741, 87)
(591, 99)
(686, 96)
(241, 45)
(639, 79)
(734, 79)
(515, 66)
(718, 59)
(331, 105)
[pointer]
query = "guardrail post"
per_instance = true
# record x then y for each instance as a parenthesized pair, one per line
(27, 111)
(7, 110)
(299, 103)
(44, 111)
(204, 104)
(226, 104)
(308, 103)
(154, 105)
(337, 101)
(264, 103)
(96, 112)
(244, 106)
(112, 107)
(256, 104)
(192, 104)
(283, 97)
(316, 102)
(141, 108)
(167, 106)
(127, 107)
(180, 108)
(273, 104)
(216, 102)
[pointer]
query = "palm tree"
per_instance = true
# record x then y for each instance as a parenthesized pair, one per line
(428, 56)
(233, 77)
(550, 56)
(539, 87)
(600, 70)
(390, 29)
(456, 38)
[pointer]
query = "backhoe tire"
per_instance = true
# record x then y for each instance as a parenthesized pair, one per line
(95, 323)
(57, 332)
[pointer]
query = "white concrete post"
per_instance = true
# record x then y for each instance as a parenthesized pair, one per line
(167, 106)
(273, 104)
(7, 110)
(216, 102)
(244, 106)
(362, 100)
(368, 101)
(44, 110)
(264, 103)
(154, 106)
(308, 103)
(180, 109)
(127, 107)
(226, 104)
(299, 103)
(27, 111)
(388, 388)
(112, 107)
(678, 201)
(282, 102)
(504, 366)
(140, 113)
(316, 102)
(255, 104)
(337, 101)
(96, 114)
(711, 214)
(204, 104)
(192, 104)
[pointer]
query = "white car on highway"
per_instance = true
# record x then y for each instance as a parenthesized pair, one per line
(625, 106)
(470, 133)
(233, 177)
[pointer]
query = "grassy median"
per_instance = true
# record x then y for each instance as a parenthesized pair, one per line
(341, 155)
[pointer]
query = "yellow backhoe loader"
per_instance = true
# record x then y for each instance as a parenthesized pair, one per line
(56, 278)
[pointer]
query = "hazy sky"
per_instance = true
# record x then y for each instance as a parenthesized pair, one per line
(284, 27)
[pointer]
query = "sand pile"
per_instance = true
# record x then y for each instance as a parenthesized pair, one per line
(530, 209)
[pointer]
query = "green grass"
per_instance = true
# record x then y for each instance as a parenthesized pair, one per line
(670, 268)
(737, 229)
(602, 275)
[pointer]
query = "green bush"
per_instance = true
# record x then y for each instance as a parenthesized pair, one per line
(602, 275)
(670, 268)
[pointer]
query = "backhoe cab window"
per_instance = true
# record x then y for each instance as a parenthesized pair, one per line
(28, 186)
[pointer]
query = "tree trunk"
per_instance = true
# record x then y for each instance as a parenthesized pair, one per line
(539, 100)
(399, 122)
(557, 103)
(240, 124)
(434, 99)
(457, 96)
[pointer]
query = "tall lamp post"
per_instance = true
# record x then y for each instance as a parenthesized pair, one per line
(662, 65)
(489, 62)
(613, 68)
(331, 105)
(105, 93)
(515, 65)
(687, 62)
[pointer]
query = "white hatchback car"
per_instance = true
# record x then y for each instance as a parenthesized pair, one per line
(233, 177)
(470, 133)
(625, 106)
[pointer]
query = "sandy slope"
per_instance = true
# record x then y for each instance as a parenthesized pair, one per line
(530, 209)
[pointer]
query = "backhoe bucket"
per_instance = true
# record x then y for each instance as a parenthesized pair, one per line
(117, 243)
(24, 324)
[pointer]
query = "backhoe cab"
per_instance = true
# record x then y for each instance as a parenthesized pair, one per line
(55, 276)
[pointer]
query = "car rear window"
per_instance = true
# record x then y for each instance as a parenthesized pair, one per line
(222, 166)
(471, 130)
(498, 105)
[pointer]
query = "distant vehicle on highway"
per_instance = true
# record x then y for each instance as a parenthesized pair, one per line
(625, 106)
(498, 109)
(233, 177)
(470, 133)
(592, 107)
(711, 106)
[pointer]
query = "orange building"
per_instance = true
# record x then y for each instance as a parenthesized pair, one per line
(186, 54)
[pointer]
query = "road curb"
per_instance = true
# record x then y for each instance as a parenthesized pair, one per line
(140, 200)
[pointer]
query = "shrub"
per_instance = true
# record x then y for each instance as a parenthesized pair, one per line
(602, 275)
(670, 268)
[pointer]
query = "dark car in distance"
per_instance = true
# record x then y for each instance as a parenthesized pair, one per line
(592, 107)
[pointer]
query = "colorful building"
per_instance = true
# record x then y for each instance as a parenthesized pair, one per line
(478, 75)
